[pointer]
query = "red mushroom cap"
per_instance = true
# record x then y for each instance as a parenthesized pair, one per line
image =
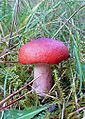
(43, 50)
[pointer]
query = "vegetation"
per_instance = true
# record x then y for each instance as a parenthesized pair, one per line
(23, 20)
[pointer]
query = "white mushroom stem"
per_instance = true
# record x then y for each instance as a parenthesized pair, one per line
(43, 83)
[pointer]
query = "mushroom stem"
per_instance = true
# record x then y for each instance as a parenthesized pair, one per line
(44, 82)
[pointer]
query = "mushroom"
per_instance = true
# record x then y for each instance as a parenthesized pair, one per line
(42, 52)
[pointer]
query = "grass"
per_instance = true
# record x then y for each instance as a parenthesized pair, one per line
(23, 20)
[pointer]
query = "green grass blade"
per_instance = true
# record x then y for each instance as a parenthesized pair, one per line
(5, 83)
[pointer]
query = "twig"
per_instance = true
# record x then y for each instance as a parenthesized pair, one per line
(78, 110)
(8, 51)
(47, 95)
(5, 54)
(14, 33)
(3, 108)
(13, 94)
(4, 62)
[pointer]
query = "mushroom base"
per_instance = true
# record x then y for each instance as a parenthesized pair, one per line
(43, 84)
